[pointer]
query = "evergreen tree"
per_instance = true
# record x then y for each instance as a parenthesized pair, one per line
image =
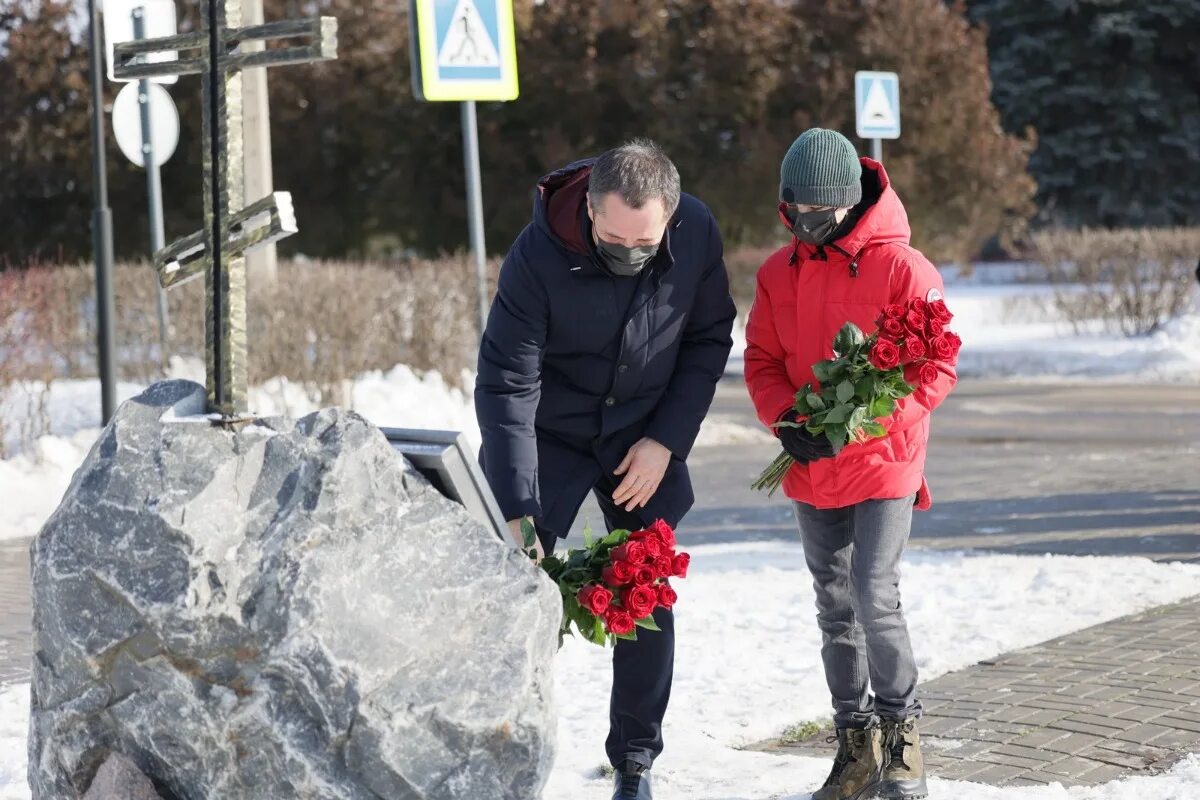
(1112, 89)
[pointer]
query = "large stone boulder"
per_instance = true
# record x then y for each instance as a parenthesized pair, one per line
(283, 609)
(119, 779)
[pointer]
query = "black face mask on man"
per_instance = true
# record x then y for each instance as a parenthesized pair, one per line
(813, 227)
(623, 261)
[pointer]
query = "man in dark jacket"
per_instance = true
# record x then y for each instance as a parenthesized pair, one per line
(610, 328)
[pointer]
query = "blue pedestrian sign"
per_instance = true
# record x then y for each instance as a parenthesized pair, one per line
(877, 103)
(464, 50)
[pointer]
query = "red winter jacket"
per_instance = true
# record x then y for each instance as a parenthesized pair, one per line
(805, 295)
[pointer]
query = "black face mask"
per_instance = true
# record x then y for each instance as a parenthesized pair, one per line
(624, 261)
(814, 227)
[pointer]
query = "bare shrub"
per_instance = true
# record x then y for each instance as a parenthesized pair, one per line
(1134, 280)
(742, 264)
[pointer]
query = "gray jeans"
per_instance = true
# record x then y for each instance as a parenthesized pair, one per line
(854, 556)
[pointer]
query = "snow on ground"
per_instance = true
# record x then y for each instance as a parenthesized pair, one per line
(1010, 328)
(748, 666)
(745, 671)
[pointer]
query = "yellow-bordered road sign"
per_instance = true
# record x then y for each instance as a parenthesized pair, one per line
(464, 50)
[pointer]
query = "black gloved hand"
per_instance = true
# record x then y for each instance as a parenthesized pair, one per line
(801, 445)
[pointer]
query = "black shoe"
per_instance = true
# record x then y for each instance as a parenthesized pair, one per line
(632, 782)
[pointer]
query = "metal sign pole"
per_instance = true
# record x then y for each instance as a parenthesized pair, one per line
(475, 205)
(153, 192)
(101, 229)
(877, 149)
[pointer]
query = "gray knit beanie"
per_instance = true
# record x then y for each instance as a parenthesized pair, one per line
(821, 168)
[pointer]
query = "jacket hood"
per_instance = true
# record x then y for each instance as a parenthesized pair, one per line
(883, 218)
(559, 202)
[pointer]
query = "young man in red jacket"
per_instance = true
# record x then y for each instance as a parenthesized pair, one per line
(848, 259)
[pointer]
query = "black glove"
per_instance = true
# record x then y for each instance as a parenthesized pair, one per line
(801, 445)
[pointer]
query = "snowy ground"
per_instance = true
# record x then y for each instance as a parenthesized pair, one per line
(748, 666)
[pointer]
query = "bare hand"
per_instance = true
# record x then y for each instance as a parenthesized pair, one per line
(514, 527)
(643, 468)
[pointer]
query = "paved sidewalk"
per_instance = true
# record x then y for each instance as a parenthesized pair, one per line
(1109, 701)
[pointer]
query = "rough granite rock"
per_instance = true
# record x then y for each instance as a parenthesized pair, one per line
(286, 609)
(119, 779)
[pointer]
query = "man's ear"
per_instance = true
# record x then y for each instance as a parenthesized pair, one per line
(591, 211)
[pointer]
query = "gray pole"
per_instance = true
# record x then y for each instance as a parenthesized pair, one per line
(877, 149)
(102, 244)
(153, 191)
(475, 205)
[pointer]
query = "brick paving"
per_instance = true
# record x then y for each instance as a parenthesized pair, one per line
(1117, 699)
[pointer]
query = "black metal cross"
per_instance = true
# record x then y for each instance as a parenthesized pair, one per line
(230, 227)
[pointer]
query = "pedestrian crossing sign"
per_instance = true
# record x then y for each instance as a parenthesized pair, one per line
(463, 49)
(877, 101)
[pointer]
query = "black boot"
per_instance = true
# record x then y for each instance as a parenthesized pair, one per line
(632, 782)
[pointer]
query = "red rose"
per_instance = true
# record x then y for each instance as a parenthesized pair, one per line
(618, 621)
(934, 327)
(919, 305)
(666, 534)
(645, 575)
(682, 562)
(941, 347)
(914, 348)
(654, 547)
(955, 345)
(884, 355)
(667, 596)
(915, 321)
(595, 598)
(927, 373)
(894, 311)
(633, 552)
(639, 601)
(940, 311)
(664, 566)
(892, 328)
(618, 573)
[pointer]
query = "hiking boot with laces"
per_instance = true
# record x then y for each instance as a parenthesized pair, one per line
(856, 767)
(632, 782)
(904, 774)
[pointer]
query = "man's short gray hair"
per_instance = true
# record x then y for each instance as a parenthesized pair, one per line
(638, 171)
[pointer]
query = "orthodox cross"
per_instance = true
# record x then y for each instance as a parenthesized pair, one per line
(231, 228)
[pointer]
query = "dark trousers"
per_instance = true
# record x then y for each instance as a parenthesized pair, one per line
(642, 670)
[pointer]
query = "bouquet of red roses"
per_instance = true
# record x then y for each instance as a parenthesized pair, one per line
(612, 586)
(867, 375)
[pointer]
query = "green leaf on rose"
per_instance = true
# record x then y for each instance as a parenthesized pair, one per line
(815, 402)
(823, 370)
(838, 435)
(883, 406)
(648, 623)
(599, 635)
(838, 415)
(845, 391)
(874, 429)
(865, 386)
(528, 533)
(615, 538)
(857, 418)
(848, 338)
